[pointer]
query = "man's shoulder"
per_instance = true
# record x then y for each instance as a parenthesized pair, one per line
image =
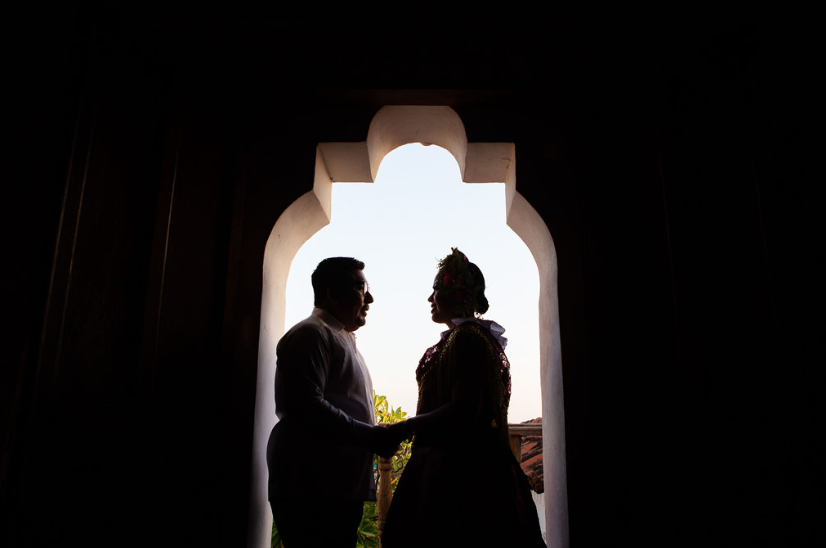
(312, 328)
(306, 327)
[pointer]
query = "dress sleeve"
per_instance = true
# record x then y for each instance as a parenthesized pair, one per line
(467, 359)
(458, 389)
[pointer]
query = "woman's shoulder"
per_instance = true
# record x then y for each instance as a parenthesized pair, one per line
(465, 330)
(489, 330)
(470, 334)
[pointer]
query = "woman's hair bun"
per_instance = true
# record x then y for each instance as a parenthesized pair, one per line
(481, 302)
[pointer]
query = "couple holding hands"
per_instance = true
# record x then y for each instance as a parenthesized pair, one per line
(462, 485)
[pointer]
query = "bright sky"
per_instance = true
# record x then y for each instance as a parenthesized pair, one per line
(400, 226)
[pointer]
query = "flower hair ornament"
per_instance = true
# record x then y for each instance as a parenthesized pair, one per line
(456, 281)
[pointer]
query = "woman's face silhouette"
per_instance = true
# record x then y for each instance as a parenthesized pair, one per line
(442, 310)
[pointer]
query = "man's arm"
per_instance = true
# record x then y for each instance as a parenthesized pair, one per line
(301, 375)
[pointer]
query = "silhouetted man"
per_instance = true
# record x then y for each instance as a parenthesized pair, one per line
(320, 453)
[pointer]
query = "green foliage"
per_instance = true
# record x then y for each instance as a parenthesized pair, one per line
(276, 538)
(368, 533)
(385, 413)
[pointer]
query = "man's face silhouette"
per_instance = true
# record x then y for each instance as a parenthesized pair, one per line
(350, 300)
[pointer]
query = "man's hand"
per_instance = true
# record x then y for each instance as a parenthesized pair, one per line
(385, 442)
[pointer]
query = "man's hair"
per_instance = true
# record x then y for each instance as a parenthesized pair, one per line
(332, 272)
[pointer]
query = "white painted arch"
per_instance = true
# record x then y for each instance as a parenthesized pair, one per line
(392, 127)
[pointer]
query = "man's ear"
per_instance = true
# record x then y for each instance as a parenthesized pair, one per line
(330, 294)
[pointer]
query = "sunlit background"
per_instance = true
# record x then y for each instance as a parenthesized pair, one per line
(400, 226)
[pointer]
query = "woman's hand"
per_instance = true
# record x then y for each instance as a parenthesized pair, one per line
(402, 430)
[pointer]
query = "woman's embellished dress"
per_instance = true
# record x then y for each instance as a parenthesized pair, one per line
(462, 485)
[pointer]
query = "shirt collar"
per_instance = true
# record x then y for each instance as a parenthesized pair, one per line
(328, 318)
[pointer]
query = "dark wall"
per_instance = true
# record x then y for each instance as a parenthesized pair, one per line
(155, 153)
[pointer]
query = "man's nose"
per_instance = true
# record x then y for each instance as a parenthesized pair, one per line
(368, 298)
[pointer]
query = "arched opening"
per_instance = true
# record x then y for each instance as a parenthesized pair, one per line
(359, 162)
(415, 211)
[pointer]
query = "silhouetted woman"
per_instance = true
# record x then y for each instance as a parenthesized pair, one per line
(462, 485)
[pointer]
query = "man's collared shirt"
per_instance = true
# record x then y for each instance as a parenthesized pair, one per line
(333, 366)
(324, 403)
